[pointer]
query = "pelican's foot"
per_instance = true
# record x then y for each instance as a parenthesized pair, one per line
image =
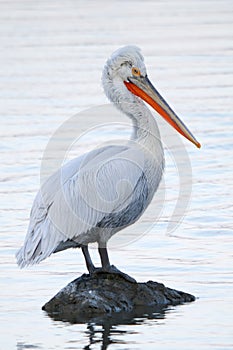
(113, 270)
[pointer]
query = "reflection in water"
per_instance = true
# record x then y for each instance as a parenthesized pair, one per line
(22, 346)
(103, 329)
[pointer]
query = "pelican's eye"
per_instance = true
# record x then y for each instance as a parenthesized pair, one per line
(136, 72)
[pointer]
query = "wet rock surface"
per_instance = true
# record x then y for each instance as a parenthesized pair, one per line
(106, 294)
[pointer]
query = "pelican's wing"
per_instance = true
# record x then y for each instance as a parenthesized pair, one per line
(79, 196)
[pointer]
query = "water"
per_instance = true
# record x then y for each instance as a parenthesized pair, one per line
(51, 62)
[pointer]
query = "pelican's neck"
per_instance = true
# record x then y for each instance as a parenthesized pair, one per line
(145, 129)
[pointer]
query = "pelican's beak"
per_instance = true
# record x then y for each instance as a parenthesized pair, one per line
(142, 87)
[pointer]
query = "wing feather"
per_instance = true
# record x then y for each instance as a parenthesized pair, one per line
(79, 196)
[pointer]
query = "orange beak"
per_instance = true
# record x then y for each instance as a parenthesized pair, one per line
(142, 87)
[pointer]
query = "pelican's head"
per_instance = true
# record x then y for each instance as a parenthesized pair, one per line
(119, 66)
(124, 77)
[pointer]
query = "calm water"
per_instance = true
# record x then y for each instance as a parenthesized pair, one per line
(50, 69)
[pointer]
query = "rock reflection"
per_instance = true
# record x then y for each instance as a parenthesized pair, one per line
(103, 330)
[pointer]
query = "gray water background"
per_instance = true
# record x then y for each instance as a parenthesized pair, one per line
(52, 54)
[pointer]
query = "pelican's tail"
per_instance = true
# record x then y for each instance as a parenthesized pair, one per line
(31, 253)
(39, 244)
(21, 261)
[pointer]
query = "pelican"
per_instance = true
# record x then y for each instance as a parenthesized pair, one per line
(94, 196)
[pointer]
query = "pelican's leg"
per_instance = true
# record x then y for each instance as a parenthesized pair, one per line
(106, 267)
(89, 263)
(104, 258)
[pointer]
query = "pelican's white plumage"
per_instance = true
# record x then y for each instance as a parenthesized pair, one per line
(92, 197)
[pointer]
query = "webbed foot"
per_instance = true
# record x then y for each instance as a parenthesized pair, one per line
(113, 270)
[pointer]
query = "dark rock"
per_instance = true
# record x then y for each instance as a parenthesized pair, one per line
(107, 294)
